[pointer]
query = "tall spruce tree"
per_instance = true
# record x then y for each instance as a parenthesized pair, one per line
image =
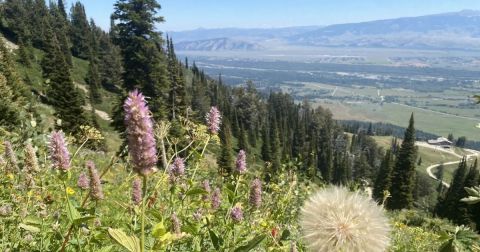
(141, 47)
(384, 176)
(226, 158)
(177, 95)
(403, 175)
(62, 94)
(80, 31)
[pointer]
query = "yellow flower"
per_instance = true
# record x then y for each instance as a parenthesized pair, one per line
(30, 193)
(10, 176)
(69, 191)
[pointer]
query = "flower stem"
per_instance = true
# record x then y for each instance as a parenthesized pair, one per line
(142, 240)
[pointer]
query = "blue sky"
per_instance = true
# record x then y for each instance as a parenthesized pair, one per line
(192, 14)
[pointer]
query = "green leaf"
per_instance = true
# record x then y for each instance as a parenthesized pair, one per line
(196, 191)
(83, 219)
(285, 234)
(471, 200)
(159, 230)
(32, 220)
(217, 242)
(29, 228)
(72, 212)
(251, 244)
(129, 242)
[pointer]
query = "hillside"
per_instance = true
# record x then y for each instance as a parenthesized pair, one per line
(217, 44)
(110, 141)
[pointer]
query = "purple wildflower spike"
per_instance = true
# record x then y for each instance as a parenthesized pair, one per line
(256, 193)
(216, 198)
(176, 224)
(178, 167)
(206, 187)
(11, 157)
(58, 151)
(95, 183)
(241, 162)
(213, 119)
(83, 181)
(31, 162)
(236, 214)
(141, 141)
(137, 191)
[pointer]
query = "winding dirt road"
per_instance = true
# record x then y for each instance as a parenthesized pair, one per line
(431, 167)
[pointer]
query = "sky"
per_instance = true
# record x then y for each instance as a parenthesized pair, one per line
(193, 14)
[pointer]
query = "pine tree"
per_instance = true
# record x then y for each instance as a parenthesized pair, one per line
(384, 176)
(60, 26)
(266, 151)
(62, 94)
(472, 179)
(226, 158)
(93, 81)
(141, 47)
(403, 175)
(275, 149)
(177, 94)
(242, 140)
(449, 205)
(80, 31)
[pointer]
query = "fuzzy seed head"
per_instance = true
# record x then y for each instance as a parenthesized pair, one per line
(214, 119)
(95, 183)
(334, 219)
(59, 154)
(140, 135)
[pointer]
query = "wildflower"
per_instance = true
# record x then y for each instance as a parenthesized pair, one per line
(95, 183)
(137, 191)
(31, 162)
(236, 214)
(11, 157)
(198, 215)
(216, 198)
(83, 181)
(206, 187)
(5, 210)
(10, 176)
(141, 140)
(178, 167)
(29, 181)
(58, 151)
(256, 193)
(176, 224)
(69, 190)
(241, 162)
(213, 119)
(335, 219)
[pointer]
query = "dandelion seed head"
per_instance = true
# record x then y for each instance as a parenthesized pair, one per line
(334, 219)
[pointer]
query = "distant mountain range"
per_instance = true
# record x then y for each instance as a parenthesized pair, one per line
(455, 30)
(218, 44)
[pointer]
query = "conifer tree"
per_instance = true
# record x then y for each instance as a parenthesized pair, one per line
(93, 81)
(226, 158)
(141, 47)
(266, 151)
(80, 31)
(403, 175)
(449, 205)
(177, 94)
(275, 149)
(242, 140)
(384, 176)
(60, 26)
(62, 94)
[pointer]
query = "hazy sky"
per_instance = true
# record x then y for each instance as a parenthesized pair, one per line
(192, 14)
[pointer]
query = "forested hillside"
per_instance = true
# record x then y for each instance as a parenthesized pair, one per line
(110, 142)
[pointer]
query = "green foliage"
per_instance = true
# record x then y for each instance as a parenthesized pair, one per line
(403, 176)
(383, 180)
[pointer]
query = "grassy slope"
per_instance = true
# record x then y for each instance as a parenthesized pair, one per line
(33, 76)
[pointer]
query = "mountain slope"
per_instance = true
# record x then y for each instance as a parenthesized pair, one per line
(456, 30)
(218, 44)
